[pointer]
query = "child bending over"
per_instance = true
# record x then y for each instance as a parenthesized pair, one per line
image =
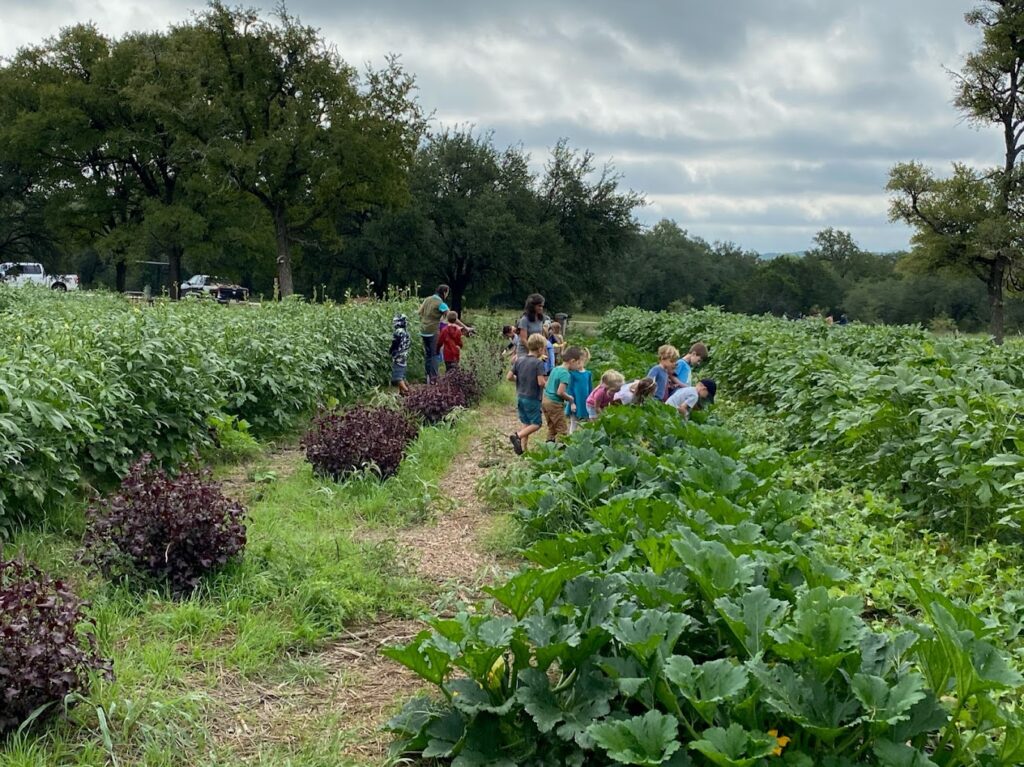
(604, 394)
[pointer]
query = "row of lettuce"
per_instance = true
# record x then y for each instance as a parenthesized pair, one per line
(677, 611)
(940, 423)
(171, 530)
(89, 382)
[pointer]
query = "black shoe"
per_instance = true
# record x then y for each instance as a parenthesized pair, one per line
(517, 444)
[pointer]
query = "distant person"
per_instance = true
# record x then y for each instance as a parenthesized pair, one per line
(509, 334)
(528, 373)
(668, 356)
(636, 392)
(556, 339)
(689, 397)
(450, 341)
(581, 383)
(557, 395)
(400, 346)
(532, 320)
(604, 393)
(431, 311)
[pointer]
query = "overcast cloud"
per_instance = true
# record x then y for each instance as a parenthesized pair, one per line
(754, 121)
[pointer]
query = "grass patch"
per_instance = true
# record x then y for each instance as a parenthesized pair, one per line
(308, 571)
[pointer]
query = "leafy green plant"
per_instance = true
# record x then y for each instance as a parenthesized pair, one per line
(935, 422)
(89, 382)
(676, 613)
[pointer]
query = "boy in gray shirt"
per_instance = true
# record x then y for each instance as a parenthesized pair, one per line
(528, 373)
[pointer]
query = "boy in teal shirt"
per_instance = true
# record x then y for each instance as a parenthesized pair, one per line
(556, 394)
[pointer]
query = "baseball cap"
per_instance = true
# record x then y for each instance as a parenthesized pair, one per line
(711, 386)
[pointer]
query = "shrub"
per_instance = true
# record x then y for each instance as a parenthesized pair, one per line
(341, 443)
(44, 654)
(170, 529)
(433, 403)
(467, 382)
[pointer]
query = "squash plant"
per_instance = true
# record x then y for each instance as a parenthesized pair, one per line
(676, 613)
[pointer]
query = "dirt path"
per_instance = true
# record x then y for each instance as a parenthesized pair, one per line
(358, 689)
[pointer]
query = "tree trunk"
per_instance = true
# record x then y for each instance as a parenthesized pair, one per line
(995, 299)
(284, 253)
(174, 271)
(120, 275)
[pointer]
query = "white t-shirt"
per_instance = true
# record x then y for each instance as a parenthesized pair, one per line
(687, 395)
(625, 394)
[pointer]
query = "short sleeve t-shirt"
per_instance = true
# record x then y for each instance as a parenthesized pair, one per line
(530, 326)
(660, 376)
(683, 371)
(687, 395)
(526, 371)
(559, 375)
(431, 311)
(625, 394)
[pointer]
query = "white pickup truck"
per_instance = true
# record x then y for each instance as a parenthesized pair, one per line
(26, 273)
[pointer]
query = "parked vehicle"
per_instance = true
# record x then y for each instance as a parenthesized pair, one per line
(30, 273)
(214, 287)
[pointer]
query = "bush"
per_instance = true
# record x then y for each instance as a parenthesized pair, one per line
(340, 443)
(433, 403)
(170, 529)
(465, 381)
(44, 655)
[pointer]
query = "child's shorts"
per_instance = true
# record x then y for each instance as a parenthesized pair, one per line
(397, 372)
(529, 411)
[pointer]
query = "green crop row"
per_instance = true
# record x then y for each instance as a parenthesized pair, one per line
(88, 382)
(678, 613)
(938, 422)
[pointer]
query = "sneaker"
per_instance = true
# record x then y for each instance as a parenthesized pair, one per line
(517, 444)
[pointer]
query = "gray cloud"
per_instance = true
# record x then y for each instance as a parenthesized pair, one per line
(749, 121)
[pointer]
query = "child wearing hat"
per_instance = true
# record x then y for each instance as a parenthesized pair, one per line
(687, 398)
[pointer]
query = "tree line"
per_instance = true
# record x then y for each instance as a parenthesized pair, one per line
(243, 145)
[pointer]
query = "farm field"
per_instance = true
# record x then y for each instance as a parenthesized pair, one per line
(775, 582)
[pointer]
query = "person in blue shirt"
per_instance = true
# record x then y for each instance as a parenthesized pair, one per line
(668, 356)
(694, 358)
(581, 383)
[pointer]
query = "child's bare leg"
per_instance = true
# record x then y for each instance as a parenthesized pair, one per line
(525, 432)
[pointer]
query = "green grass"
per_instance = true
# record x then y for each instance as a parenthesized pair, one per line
(309, 570)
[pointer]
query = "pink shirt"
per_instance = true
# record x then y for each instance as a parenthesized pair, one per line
(599, 399)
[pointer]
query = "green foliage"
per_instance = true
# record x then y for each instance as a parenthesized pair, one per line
(676, 614)
(934, 422)
(88, 383)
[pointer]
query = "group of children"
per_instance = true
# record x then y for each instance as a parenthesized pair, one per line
(562, 395)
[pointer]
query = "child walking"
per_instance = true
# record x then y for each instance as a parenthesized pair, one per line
(557, 342)
(581, 382)
(400, 345)
(449, 342)
(604, 394)
(557, 396)
(528, 373)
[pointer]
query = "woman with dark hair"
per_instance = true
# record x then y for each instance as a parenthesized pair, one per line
(532, 320)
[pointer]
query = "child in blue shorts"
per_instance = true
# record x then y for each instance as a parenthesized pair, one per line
(528, 373)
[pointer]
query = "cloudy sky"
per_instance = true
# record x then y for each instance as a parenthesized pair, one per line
(754, 121)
